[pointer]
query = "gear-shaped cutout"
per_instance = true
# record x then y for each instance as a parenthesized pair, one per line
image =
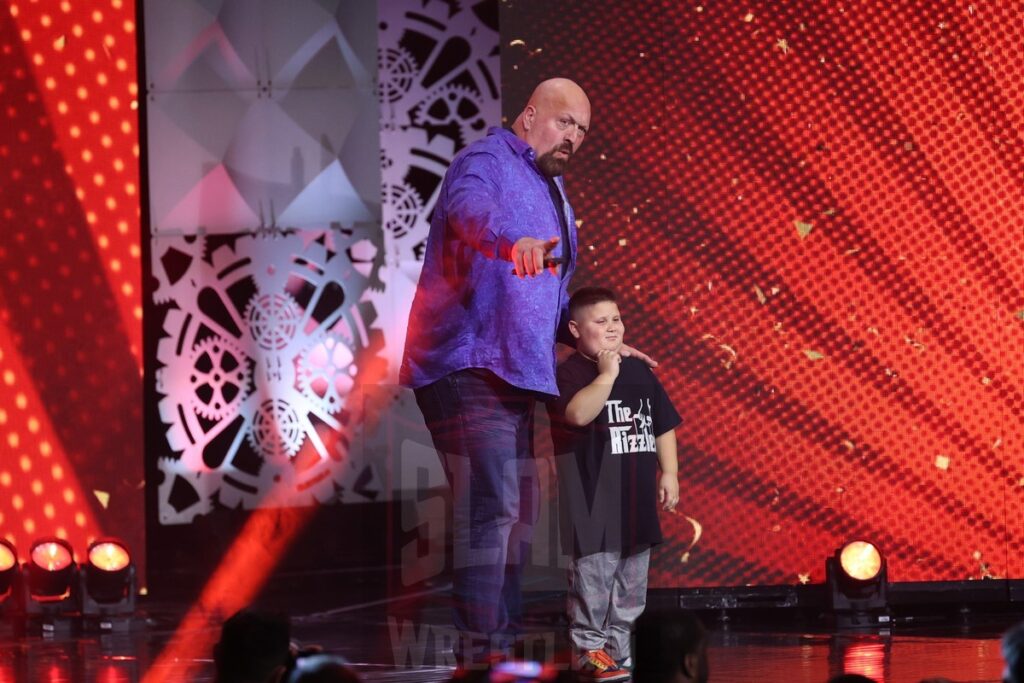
(273, 320)
(219, 378)
(326, 373)
(276, 430)
(396, 73)
(454, 110)
(406, 209)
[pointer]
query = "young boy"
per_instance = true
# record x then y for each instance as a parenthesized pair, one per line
(612, 426)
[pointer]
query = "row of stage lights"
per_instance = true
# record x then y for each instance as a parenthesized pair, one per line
(51, 591)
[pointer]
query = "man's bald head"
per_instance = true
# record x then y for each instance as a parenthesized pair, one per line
(554, 122)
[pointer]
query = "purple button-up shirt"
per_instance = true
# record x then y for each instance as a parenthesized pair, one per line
(470, 310)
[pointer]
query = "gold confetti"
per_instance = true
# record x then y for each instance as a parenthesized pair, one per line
(749, 17)
(848, 445)
(803, 229)
(829, 212)
(813, 355)
(698, 531)
(942, 462)
(986, 381)
(731, 354)
(579, 222)
(103, 497)
(777, 528)
(804, 579)
(60, 43)
(1019, 314)
(623, 242)
(997, 443)
(134, 105)
(918, 346)
(762, 299)
(782, 45)
(874, 331)
(851, 252)
(517, 41)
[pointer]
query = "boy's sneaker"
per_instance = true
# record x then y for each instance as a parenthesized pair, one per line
(597, 665)
(626, 664)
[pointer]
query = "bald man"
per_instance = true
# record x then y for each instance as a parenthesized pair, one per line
(480, 350)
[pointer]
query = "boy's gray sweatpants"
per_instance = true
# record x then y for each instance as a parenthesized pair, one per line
(607, 592)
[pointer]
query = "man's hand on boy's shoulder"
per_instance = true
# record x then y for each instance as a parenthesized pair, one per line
(630, 352)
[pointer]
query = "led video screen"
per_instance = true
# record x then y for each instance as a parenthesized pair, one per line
(811, 213)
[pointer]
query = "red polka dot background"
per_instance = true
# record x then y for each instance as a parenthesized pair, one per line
(70, 305)
(812, 214)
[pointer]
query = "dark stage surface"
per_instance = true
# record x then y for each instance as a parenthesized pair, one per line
(389, 641)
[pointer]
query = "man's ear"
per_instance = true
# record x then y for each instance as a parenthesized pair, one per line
(690, 663)
(528, 115)
(574, 329)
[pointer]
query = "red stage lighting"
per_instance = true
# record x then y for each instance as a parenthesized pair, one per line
(8, 563)
(858, 585)
(108, 583)
(50, 581)
(10, 580)
(51, 571)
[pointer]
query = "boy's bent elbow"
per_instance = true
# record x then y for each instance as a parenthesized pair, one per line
(578, 416)
(574, 419)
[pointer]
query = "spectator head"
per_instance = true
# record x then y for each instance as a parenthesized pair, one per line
(1013, 654)
(671, 647)
(252, 647)
(321, 668)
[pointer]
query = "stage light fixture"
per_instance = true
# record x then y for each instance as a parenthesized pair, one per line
(10, 580)
(858, 585)
(8, 567)
(50, 580)
(108, 584)
(51, 570)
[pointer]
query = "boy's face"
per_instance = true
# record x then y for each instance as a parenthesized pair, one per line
(598, 327)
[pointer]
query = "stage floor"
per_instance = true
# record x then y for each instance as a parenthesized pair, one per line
(405, 641)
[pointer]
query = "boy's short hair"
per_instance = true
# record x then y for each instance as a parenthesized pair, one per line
(588, 296)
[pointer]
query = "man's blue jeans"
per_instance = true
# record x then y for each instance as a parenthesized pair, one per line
(482, 428)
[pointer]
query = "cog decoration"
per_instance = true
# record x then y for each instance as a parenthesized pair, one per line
(454, 111)
(326, 373)
(276, 430)
(219, 378)
(396, 72)
(406, 209)
(439, 75)
(264, 343)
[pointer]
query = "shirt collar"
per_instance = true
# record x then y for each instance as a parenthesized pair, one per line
(518, 145)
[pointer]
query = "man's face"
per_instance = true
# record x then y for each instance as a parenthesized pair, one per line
(557, 131)
(598, 327)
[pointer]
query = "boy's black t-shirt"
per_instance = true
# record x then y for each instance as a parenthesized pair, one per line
(608, 469)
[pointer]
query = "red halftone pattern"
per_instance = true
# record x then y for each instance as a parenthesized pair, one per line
(811, 212)
(70, 330)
